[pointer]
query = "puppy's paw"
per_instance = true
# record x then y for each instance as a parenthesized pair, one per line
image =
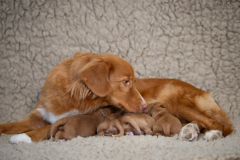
(20, 138)
(129, 133)
(148, 133)
(213, 135)
(157, 133)
(189, 132)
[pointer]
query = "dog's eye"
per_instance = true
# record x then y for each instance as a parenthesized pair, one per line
(126, 82)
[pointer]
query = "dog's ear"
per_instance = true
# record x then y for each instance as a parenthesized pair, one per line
(95, 75)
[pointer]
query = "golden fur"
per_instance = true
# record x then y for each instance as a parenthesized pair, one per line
(185, 102)
(80, 84)
(137, 122)
(78, 125)
(111, 126)
(165, 123)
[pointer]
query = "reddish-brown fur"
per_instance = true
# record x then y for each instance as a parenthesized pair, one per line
(185, 102)
(82, 83)
(111, 126)
(135, 122)
(165, 123)
(78, 125)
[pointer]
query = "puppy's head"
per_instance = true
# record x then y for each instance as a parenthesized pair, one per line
(111, 77)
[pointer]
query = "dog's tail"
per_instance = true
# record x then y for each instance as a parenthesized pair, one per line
(128, 119)
(119, 127)
(57, 125)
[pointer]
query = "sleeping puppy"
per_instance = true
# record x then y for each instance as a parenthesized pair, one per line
(165, 123)
(79, 125)
(136, 123)
(111, 126)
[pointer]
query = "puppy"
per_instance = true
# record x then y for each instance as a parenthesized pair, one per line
(135, 122)
(111, 126)
(79, 125)
(165, 123)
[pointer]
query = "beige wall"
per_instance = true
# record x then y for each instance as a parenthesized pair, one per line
(195, 41)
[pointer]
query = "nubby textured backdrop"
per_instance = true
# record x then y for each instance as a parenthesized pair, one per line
(194, 41)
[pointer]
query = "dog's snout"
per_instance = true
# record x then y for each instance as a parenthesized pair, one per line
(144, 105)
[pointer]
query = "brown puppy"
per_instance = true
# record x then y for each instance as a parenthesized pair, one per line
(136, 123)
(78, 125)
(189, 104)
(78, 85)
(165, 123)
(111, 126)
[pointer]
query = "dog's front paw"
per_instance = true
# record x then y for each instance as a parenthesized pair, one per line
(189, 132)
(20, 138)
(213, 135)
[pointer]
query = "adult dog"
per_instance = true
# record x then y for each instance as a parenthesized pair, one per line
(187, 103)
(78, 85)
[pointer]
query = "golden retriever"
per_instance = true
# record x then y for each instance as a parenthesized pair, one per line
(78, 85)
(187, 103)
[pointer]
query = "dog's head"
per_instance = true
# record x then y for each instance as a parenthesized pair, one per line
(110, 77)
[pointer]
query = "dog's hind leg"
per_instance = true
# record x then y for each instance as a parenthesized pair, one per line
(119, 127)
(157, 130)
(147, 131)
(190, 131)
(209, 107)
(59, 137)
(63, 136)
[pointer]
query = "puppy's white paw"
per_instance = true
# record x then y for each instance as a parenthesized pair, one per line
(20, 138)
(213, 135)
(189, 132)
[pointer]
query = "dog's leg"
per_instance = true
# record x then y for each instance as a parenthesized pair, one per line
(100, 133)
(189, 132)
(157, 130)
(33, 121)
(59, 137)
(147, 131)
(32, 136)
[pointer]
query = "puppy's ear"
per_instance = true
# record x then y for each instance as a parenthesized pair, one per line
(96, 76)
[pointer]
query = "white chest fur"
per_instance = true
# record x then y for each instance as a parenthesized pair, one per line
(50, 117)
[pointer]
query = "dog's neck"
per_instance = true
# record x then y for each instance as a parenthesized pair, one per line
(80, 90)
(87, 101)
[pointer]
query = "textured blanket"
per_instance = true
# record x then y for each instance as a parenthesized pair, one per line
(197, 41)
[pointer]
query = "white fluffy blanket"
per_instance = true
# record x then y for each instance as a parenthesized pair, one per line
(197, 41)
